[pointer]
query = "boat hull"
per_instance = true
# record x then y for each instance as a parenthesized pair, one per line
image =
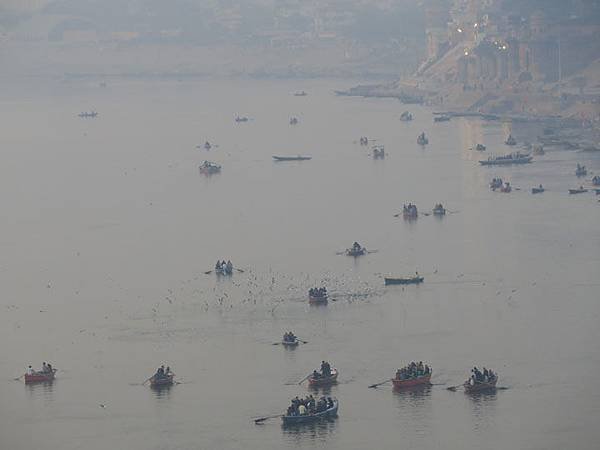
(327, 381)
(310, 418)
(317, 300)
(292, 158)
(40, 377)
(505, 162)
(415, 280)
(577, 191)
(161, 382)
(419, 381)
(537, 190)
(480, 387)
(290, 343)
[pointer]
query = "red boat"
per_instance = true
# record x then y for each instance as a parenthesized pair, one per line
(165, 380)
(324, 381)
(480, 386)
(40, 377)
(411, 382)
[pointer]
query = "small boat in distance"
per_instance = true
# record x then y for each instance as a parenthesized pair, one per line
(319, 381)
(86, 115)
(513, 158)
(46, 375)
(417, 279)
(581, 190)
(538, 149)
(537, 190)
(356, 250)
(439, 210)
(293, 121)
(442, 118)
(422, 139)
(239, 119)
(480, 147)
(292, 158)
(473, 387)
(510, 140)
(581, 171)
(596, 180)
(317, 295)
(162, 381)
(378, 151)
(209, 168)
(300, 94)
(406, 116)
(414, 374)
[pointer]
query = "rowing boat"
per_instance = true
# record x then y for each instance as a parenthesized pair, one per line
(309, 418)
(506, 160)
(356, 252)
(411, 382)
(166, 380)
(577, 191)
(40, 377)
(537, 190)
(317, 299)
(293, 343)
(480, 386)
(413, 280)
(291, 158)
(324, 381)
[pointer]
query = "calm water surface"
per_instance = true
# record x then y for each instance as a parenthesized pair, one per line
(107, 228)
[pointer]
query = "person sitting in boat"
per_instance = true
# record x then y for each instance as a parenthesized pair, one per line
(44, 367)
(168, 371)
(302, 410)
(316, 374)
(30, 371)
(218, 265)
(325, 369)
(356, 247)
(229, 267)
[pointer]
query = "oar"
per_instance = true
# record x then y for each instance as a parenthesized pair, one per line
(208, 272)
(17, 379)
(305, 378)
(453, 388)
(300, 340)
(262, 419)
(146, 381)
(380, 383)
(239, 270)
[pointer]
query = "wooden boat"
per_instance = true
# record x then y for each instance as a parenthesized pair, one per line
(292, 158)
(300, 94)
(378, 151)
(424, 380)
(537, 190)
(441, 119)
(406, 116)
(577, 191)
(507, 160)
(40, 377)
(480, 386)
(310, 418)
(293, 121)
(224, 271)
(163, 381)
(480, 147)
(324, 381)
(85, 115)
(241, 119)
(412, 280)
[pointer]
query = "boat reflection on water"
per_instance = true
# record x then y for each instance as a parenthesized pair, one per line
(44, 389)
(483, 408)
(162, 391)
(413, 396)
(317, 431)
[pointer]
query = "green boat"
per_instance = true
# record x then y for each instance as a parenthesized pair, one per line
(413, 280)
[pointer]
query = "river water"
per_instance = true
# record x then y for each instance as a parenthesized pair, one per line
(108, 227)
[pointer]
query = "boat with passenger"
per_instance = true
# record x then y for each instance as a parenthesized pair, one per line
(46, 374)
(506, 188)
(293, 121)
(209, 168)
(596, 180)
(422, 139)
(292, 158)
(417, 279)
(414, 374)
(300, 94)
(378, 151)
(162, 378)
(317, 295)
(481, 381)
(410, 211)
(538, 149)
(580, 171)
(224, 268)
(513, 158)
(88, 115)
(439, 210)
(241, 119)
(290, 340)
(356, 250)
(308, 410)
(442, 118)
(326, 377)
(510, 140)
(537, 190)
(581, 190)
(480, 147)
(406, 116)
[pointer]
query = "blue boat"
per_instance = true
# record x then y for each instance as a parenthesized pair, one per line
(310, 418)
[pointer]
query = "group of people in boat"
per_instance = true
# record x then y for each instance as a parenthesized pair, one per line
(325, 371)
(439, 209)
(224, 267)
(290, 337)
(308, 405)
(293, 121)
(498, 183)
(422, 139)
(318, 292)
(364, 140)
(510, 140)
(406, 116)
(413, 370)
(45, 370)
(410, 210)
(162, 373)
(596, 180)
(485, 376)
(580, 171)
